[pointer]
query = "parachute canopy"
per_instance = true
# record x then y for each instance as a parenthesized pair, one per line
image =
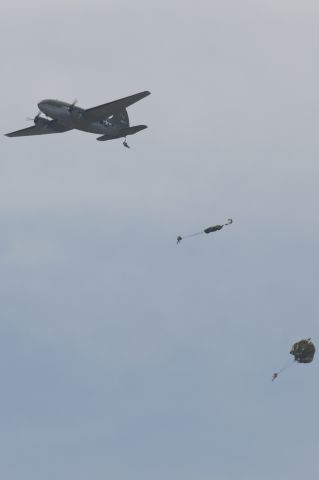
(214, 228)
(303, 351)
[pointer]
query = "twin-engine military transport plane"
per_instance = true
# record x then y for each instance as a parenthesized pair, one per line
(109, 120)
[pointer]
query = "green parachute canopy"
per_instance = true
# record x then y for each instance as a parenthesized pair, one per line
(303, 351)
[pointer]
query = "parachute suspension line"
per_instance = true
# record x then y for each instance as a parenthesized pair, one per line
(193, 234)
(290, 364)
(179, 238)
(285, 367)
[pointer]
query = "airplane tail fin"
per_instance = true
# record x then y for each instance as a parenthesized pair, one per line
(123, 133)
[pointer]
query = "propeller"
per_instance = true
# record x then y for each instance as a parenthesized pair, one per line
(34, 119)
(71, 107)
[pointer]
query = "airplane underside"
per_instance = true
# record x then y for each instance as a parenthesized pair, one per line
(109, 120)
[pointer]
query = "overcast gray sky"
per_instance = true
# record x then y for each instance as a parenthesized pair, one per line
(123, 356)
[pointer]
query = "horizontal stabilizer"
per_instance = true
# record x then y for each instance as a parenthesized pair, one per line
(132, 130)
(123, 133)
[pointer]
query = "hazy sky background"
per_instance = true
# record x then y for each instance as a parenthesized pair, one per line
(122, 355)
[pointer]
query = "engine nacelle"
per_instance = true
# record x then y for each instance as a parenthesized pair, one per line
(41, 121)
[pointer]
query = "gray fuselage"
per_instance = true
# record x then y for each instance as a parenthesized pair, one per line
(75, 117)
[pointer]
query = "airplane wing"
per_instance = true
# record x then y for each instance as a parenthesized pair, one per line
(50, 127)
(107, 109)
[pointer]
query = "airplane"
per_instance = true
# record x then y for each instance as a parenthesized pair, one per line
(110, 120)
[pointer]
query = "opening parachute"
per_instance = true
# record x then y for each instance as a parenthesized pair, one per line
(302, 351)
(211, 229)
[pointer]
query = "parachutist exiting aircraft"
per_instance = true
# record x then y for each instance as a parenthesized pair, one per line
(110, 120)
